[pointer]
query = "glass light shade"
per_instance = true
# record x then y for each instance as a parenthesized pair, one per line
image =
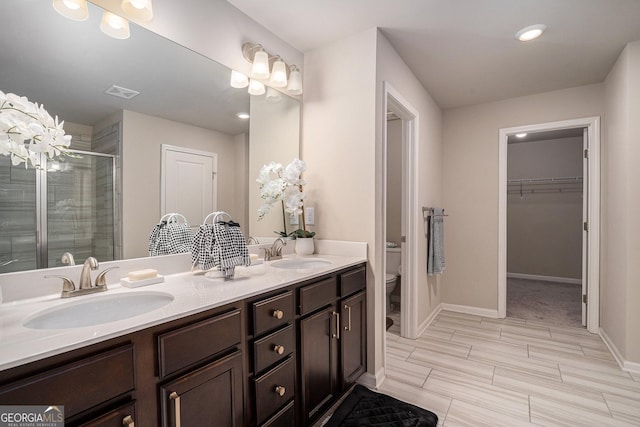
(72, 9)
(295, 81)
(138, 10)
(273, 96)
(260, 67)
(256, 88)
(239, 80)
(114, 26)
(278, 74)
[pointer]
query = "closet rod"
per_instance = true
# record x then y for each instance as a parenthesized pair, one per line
(566, 179)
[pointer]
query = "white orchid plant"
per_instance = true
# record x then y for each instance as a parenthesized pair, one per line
(286, 188)
(27, 130)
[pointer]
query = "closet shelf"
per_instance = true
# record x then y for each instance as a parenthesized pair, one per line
(546, 181)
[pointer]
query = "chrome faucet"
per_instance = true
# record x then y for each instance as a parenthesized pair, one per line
(67, 258)
(252, 239)
(69, 289)
(274, 252)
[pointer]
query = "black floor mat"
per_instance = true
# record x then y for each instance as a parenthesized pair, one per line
(364, 407)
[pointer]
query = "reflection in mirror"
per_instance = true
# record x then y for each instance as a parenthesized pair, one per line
(184, 100)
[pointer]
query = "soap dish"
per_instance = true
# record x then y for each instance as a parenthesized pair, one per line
(144, 282)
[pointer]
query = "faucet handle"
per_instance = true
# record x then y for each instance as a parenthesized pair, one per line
(267, 253)
(67, 284)
(101, 280)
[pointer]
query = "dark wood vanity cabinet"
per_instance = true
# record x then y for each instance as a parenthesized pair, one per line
(278, 359)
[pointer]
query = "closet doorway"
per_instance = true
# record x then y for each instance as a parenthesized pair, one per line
(548, 221)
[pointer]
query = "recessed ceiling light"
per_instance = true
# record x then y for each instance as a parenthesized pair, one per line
(521, 135)
(243, 115)
(531, 32)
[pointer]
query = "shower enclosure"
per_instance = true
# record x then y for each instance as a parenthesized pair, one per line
(67, 206)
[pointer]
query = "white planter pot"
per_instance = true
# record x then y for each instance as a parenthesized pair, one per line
(304, 246)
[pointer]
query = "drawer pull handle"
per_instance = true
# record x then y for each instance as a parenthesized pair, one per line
(348, 327)
(278, 349)
(336, 335)
(278, 314)
(176, 399)
(128, 421)
(281, 390)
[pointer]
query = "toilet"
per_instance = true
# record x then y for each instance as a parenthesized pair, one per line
(393, 271)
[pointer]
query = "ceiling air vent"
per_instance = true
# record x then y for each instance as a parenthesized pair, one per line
(122, 92)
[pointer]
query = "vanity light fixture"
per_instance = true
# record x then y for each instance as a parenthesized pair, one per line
(531, 32)
(273, 96)
(114, 26)
(279, 73)
(138, 10)
(256, 88)
(239, 80)
(73, 9)
(295, 81)
(267, 66)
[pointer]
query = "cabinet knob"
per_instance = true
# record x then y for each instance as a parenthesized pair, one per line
(128, 421)
(278, 349)
(280, 390)
(278, 314)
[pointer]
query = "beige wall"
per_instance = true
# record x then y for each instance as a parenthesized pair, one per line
(142, 137)
(544, 229)
(394, 180)
(470, 183)
(620, 273)
(391, 69)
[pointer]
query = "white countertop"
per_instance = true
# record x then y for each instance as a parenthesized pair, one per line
(192, 293)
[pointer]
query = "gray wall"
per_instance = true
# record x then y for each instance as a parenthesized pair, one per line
(544, 234)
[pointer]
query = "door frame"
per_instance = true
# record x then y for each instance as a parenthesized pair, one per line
(392, 99)
(592, 124)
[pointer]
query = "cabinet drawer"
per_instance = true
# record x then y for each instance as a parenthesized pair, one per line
(271, 349)
(272, 312)
(188, 345)
(79, 385)
(274, 389)
(353, 281)
(317, 295)
(122, 416)
(284, 418)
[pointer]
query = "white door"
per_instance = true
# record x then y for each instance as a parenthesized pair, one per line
(585, 223)
(188, 183)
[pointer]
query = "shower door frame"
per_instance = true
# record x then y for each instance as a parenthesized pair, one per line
(42, 211)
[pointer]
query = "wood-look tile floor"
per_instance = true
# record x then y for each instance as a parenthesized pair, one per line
(477, 371)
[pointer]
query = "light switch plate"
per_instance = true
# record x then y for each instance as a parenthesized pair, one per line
(309, 216)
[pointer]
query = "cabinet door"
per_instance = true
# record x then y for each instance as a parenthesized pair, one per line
(318, 362)
(210, 396)
(353, 344)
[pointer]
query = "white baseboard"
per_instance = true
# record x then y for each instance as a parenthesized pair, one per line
(484, 312)
(625, 365)
(372, 381)
(430, 318)
(544, 278)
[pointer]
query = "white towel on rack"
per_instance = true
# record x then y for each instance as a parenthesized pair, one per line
(435, 251)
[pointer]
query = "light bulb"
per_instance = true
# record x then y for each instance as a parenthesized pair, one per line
(114, 26)
(138, 10)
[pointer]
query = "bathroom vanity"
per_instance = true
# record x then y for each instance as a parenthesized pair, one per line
(277, 347)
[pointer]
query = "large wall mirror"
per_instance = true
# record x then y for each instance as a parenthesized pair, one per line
(183, 100)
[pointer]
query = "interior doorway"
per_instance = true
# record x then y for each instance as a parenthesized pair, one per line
(545, 216)
(406, 151)
(588, 190)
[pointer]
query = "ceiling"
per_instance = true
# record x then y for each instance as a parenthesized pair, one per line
(464, 51)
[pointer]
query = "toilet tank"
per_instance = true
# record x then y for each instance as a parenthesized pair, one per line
(393, 260)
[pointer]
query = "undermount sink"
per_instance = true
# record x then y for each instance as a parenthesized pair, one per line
(98, 310)
(301, 263)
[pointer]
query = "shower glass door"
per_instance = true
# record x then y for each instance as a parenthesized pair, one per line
(68, 206)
